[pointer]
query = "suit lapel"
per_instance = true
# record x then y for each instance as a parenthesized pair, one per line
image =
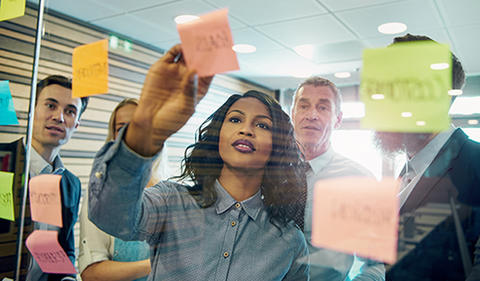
(436, 175)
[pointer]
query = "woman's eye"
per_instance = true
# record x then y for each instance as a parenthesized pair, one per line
(50, 106)
(263, 126)
(234, 120)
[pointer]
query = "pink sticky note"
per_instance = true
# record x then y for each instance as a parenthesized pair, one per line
(357, 215)
(207, 44)
(45, 249)
(45, 202)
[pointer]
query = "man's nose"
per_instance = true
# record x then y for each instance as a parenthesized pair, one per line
(58, 116)
(312, 114)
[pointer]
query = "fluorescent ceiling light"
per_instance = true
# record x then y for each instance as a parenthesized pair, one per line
(455, 92)
(421, 123)
(472, 122)
(392, 28)
(378, 97)
(439, 66)
(342, 74)
(185, 18)
(305, 51)
(244, 48)
(406, 114)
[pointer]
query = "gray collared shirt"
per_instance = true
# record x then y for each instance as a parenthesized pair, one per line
(229, 240)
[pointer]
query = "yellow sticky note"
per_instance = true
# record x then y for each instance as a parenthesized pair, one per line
(10, 9)
(90, 69)
(6, 196)
(405, 87)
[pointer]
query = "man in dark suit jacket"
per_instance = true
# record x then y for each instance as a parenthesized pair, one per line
(439, 198)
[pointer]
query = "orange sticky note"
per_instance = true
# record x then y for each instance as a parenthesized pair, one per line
(207, 44)
(90, 69)
(357, 215)
(45, 249)
(45, 202)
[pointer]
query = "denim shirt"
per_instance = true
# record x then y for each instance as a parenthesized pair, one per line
(227, 241)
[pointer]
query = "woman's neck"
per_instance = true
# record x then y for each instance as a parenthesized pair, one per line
(241, 184)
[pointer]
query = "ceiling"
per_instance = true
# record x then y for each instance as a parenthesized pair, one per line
(338, 29)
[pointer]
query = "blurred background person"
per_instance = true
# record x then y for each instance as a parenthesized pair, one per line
(102, 256)
(441, 176)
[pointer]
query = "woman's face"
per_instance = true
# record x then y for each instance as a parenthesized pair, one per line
(123, 116)
(246, 135)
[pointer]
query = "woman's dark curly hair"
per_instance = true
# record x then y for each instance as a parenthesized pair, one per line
(283, 186)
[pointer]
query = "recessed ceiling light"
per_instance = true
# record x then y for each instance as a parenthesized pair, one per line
(378, 97)
(305, 51)
(455, 92)
(185, 18)
(406, 114)
(392, 28)
(439, 66)
(244, 48)
(342, 74)
(472, 122)
(421, 123)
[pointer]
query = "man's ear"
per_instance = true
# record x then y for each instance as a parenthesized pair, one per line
(338, 121)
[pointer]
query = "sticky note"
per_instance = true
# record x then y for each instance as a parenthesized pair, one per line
(405, 87)
(45, 202)
(6, 196)
(45, 249)
(10, 9)
(8, 116)
(357, 216)
(207, 44)
(90, 69)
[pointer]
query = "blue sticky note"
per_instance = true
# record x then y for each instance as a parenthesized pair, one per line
(8, 116)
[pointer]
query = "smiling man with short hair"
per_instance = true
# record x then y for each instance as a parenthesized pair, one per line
(57, 117)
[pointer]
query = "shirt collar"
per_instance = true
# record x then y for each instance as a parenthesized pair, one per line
(318, 163)
(225, 201)
(41, 166)
(424, 157)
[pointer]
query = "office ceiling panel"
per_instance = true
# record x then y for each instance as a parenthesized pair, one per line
(337, 29)
(255, 12)
(322, 29)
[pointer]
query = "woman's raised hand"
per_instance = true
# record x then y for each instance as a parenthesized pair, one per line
(169, 96)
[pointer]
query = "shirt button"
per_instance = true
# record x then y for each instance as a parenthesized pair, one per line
(98, 175)
(237, 205)
(233, 223)
(225, 255)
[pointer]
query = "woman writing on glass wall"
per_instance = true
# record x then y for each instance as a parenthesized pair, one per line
(235, 219)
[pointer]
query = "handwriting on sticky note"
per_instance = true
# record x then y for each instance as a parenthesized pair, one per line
(207, 44)
(90, 69)
(10, 9)
(6, 196)
(400, 81)
(45, 201)
(356, 215)
(8, 116)
(45, 249)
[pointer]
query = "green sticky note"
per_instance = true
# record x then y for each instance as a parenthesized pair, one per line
(8, 116)
(6, 196)
(405, 87)
(10, 9)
